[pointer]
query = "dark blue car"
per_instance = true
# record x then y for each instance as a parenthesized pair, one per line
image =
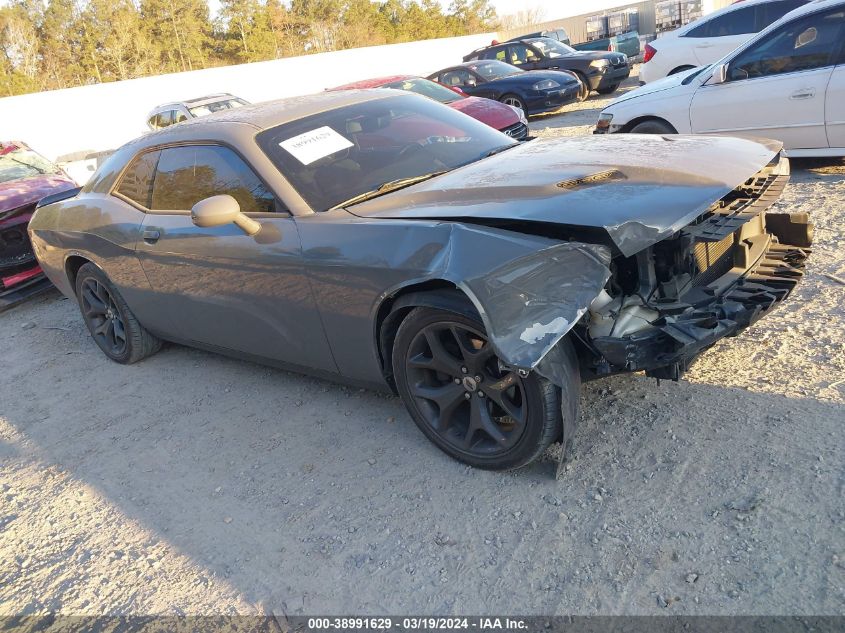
(533, 91)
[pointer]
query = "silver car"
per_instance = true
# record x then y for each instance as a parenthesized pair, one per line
(168, 114)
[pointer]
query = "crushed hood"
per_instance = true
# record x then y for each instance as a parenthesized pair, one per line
(28, 191)
(627, 191)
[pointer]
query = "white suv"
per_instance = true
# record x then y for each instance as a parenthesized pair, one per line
(788, 84)
(711, 37)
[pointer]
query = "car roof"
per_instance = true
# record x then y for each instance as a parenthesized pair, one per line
(262, 116)
(373, 83)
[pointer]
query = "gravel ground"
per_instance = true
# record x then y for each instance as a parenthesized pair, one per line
(195, 484)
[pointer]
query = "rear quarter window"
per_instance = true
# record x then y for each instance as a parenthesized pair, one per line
(136, 184)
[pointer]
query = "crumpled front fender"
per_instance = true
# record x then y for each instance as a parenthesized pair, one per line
(530, 291)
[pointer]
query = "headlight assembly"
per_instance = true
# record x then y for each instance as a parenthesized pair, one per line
(546, 84)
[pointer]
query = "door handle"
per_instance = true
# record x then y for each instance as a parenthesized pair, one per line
(151, 236)
(804, 93)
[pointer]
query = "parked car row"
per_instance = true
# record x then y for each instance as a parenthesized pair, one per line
(786, 83)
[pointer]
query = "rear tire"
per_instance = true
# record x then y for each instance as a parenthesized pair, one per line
(608, 89)
(108, 318)
(680, 69)
(584, 90)
(488, 416)
(653, 126)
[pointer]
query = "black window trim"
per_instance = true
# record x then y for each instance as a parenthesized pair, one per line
(281, 208)
(832, 63)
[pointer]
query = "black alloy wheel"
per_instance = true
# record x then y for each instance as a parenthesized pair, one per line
(109, 319)
(103, 318)
(465, 400)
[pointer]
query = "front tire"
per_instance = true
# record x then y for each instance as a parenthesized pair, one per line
(607, 90)
(108, 318)
(584, 90)
(513, 100)
(464, 400)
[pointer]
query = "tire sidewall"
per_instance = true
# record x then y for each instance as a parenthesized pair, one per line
(90, 271)
(526, 447)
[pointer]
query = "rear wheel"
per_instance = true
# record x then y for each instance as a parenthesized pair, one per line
(111, 323)
(608, 89)
(513, 100)
(584, 89)
(464, 399)
(654, 126)
(681, 69)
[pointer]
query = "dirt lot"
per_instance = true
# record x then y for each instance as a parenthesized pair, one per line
(195, 484)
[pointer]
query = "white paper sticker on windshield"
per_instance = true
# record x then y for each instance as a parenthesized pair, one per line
(316, 144)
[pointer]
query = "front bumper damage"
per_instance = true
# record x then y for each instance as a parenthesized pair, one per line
(20, 275)
(732, 266)
(684, 330)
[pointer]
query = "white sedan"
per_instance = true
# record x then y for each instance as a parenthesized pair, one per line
(710, 38)
(788, 83)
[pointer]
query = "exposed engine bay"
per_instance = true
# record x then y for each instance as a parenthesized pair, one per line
(664, 305)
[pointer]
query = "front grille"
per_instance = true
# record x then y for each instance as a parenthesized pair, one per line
(15, 247)
(713, 259)
(518, 131)
(745, 202)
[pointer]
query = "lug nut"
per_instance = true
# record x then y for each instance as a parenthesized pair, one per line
(478, 379)
(457, 381)
(467, 396)
(480, 394)
(464, 369)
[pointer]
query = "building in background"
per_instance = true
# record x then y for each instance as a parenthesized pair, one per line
(652, 18)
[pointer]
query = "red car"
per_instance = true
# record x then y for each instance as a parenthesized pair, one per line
(26, 178)
(505, 118)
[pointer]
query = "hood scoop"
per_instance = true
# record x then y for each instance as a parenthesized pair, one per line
(592, 179)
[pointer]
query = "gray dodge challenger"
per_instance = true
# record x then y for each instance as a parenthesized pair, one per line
(384, 239)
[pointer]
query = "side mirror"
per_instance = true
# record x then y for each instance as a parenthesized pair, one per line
(720, 74)
(220, 210)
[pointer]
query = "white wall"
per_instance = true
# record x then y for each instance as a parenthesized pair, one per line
(104, 116)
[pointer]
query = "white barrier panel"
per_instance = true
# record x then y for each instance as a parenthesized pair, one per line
(104, 116)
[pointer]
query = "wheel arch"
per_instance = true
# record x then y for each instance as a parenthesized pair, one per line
(680, 69)
(630, 125)
(72, 265)
(432, 293)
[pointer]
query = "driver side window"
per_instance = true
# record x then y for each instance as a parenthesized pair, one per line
(805, 44)
(456, 78)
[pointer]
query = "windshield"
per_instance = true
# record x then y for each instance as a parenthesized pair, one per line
(551, 48)
(493, 69)
(334, 156)
(217, 106)
(18, 164)
(426, 88)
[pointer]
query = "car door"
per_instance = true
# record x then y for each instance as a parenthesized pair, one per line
(835, 104)
(775, 86)
(219, 286)
(524, 57)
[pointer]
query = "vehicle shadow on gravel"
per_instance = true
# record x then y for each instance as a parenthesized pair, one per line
(309, 497)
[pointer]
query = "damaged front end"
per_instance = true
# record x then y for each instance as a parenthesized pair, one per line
(664, 305)
(20, 275)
